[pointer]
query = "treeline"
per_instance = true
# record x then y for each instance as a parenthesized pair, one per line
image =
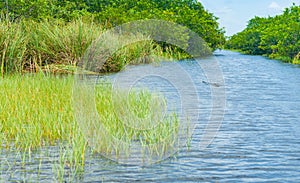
(190, 13)
(276, 37)
(24, 28)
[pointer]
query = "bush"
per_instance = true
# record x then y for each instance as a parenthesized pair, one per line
(277, 37)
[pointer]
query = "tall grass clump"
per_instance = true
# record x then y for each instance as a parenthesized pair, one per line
(59, 43)
(37, 110)
(31, 45)
(135, 117)
(296, 59)
(13, 47)
(127, 125)
(113, 51)
(58, 46)
(139, 52)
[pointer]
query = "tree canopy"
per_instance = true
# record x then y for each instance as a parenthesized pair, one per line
(190, 13)
(277, 37)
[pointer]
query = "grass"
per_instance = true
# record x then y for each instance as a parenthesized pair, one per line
(32, 46)
(13, 43)
(296, 59)
(37, 110)
(36, 106)
(136, 116)
(29, 45)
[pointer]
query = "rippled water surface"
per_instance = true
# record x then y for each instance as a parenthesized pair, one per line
(259, 139)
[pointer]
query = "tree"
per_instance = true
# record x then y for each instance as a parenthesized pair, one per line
(115, 12)
(277, 37)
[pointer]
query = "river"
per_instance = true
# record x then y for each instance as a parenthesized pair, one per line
(258, 140)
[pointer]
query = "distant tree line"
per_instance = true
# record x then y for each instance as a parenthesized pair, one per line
(276, 37)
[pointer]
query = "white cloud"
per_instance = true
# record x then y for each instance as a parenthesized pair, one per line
(275, 6)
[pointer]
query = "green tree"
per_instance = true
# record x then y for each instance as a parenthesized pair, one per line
(277, 37)
(190, 13)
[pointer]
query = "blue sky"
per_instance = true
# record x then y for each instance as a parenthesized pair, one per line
(234, 14)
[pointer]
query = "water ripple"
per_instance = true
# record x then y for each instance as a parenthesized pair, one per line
(259, 140)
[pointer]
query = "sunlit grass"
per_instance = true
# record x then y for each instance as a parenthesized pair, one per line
(135, 116)
(57, 46)
(13, 43)
(37, 110)
(296, 60)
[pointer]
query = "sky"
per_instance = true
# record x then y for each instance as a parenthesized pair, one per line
(234, 14)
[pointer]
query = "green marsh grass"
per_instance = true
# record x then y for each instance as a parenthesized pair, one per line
(36, 106)
(13, 41)
(58, 42)
(296, 59)
(135, 116)
(37, 110)
(58, 46)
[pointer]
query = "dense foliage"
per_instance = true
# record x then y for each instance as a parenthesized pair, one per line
(38, 33)
(277, 37)
(114, 12)
(57, 46)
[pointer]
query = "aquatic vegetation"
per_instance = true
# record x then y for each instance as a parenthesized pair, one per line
(13, 43)
(56, 46)
(43, 34)
(137, 116)
(37, 110)
(296, 60)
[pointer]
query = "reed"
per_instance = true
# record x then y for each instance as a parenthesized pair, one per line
(58, 46)
(296, 59)
(138, 116)
(37, 110)
(13, 41)
(57, 42)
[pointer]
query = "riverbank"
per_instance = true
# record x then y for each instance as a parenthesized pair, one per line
(45, 35)
(57, 47)
(295, 60)
(258, 139)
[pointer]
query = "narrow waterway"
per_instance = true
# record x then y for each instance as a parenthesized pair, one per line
(258, 140)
